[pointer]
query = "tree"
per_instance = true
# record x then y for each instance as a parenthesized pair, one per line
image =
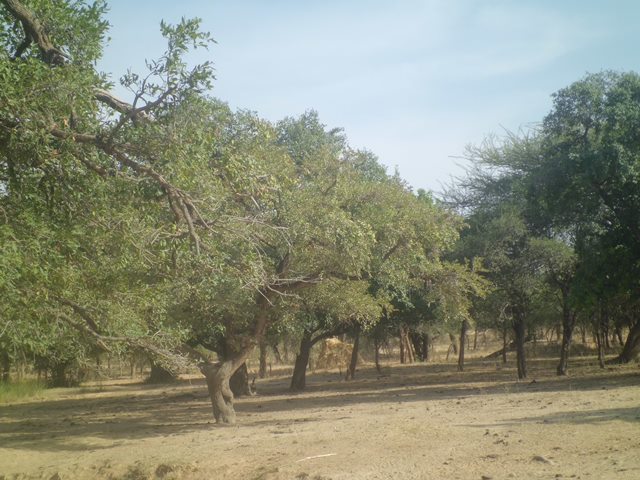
(590, 162)
(504, 224)
(137, 168)
(559, 263)
(327, 310)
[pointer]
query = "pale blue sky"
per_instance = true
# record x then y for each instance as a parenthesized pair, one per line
(413, 81)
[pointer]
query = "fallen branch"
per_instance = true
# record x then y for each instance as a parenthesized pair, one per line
(316, 456)
(509, 348)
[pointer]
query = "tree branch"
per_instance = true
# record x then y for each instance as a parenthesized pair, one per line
(180, 203)
(34, 31)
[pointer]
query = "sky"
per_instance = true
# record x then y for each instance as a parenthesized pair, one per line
(414, 82)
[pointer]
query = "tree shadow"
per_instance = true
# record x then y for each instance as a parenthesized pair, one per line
(424, 382)
(630, 414)
(118, 414)
(84, 423)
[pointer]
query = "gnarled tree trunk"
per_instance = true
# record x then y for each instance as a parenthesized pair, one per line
(631, 348)
(218, 376)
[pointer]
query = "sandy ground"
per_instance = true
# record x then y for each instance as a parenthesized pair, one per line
(411, 422)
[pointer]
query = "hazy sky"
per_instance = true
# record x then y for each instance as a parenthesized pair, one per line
(412, 81)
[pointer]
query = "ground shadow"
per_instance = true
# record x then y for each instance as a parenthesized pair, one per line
(142, 411)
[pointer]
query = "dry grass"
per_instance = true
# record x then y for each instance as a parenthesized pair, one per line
(410, 421)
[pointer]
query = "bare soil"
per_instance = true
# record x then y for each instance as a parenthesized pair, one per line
(419, 421)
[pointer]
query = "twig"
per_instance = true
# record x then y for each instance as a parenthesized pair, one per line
(316, 456)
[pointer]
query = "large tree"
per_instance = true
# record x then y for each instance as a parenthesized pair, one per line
(589, 176)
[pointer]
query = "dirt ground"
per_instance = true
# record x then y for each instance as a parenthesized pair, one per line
(419, 421)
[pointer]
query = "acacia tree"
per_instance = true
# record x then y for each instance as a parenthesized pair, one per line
(506, 228)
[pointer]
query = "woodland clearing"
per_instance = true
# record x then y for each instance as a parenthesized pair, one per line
(410, 421)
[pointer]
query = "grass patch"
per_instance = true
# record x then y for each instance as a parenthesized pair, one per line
(11, 392)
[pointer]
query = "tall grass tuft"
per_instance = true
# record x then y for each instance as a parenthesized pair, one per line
(11, 392)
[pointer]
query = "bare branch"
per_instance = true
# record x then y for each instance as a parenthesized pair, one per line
(108, 99)
(81, 311)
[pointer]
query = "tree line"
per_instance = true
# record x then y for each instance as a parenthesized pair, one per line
(171, 226)
(552, 212)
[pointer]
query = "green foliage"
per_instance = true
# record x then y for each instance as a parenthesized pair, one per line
(553, 213)
(174, 220)
(591, 155)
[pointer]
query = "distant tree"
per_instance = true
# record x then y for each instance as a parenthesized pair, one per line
(505, 231)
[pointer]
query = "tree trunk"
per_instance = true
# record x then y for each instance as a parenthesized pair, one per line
(601, 333)
(454, 343)
(376, 347)
(475, 339)
(519, 330)
(218, 376)
(416, 343)
(567, 333)
(463, 338)
(600, 346)
(5, 367)
(59, 375)
(427, 346)
(568, 323)
(619, 335)
(160, 374)
(262, 372)
(299, 377)
(276, 353)
(351, 370)
(402, 346)
(239, 382)
(504, 343)
(409, 352)
(631, 348)
(605, 332)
